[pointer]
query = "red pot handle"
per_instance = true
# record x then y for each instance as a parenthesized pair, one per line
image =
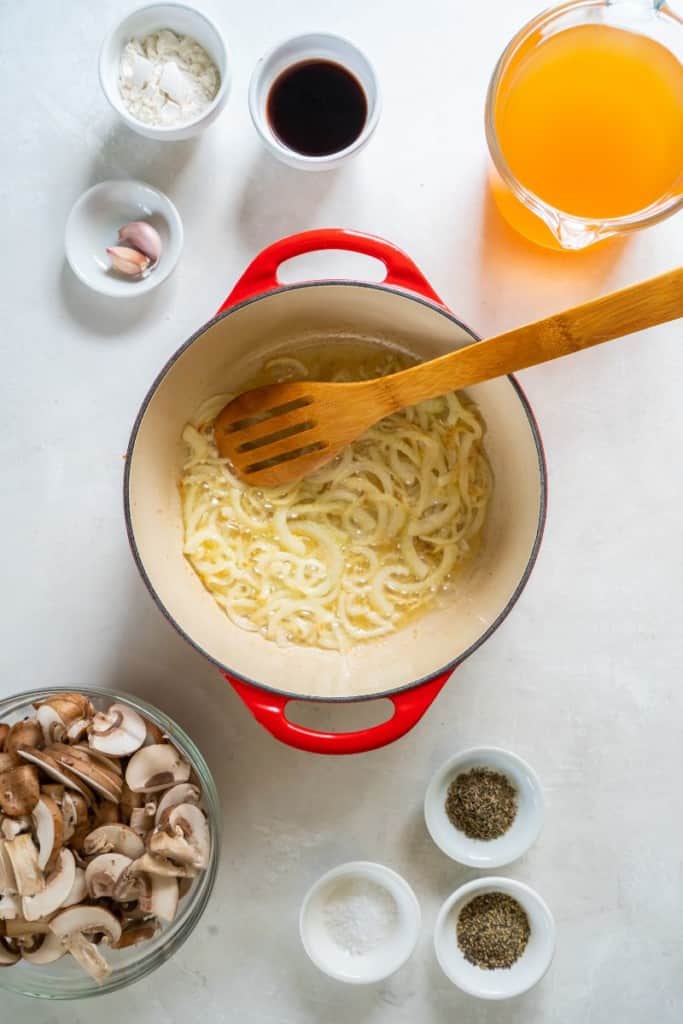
(261, 274)
(269, 710)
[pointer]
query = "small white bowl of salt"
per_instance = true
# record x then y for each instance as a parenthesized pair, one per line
(165, 70)
(360, 922)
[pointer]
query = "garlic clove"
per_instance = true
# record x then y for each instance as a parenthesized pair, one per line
(143, 237)
(128, 261)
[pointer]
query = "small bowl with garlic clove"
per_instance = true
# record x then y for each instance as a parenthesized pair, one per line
(123, 238)
(109, 841)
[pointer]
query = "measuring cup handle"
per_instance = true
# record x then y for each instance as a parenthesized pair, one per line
(261, 274)
(269, 710)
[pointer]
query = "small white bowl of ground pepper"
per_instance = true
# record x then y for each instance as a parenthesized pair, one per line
(484, 807)
(494, 938)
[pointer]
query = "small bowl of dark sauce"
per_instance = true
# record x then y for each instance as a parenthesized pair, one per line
(314, 101)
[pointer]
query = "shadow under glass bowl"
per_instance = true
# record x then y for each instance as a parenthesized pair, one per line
(64, 979)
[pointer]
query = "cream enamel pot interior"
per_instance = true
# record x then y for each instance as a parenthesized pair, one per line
(260, 317)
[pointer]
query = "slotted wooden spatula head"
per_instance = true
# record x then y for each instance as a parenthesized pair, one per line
(282, 432)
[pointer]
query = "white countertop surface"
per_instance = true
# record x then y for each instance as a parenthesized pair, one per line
(583, 679)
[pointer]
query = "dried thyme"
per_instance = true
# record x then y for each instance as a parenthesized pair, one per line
(481, 803)
(493, 930)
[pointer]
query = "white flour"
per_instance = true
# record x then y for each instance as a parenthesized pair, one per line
(166, 80)
(360, 915)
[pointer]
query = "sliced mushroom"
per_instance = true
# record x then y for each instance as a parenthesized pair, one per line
(20, 927)
(54, 790)
(74, 813)
(153, 864)
(46, 762)
(155, 768)
(48, 825)
(19, 790)
(75, 924)
(104, 782)
(4, 729)
(142, 819)
(103, 872)
(11, 827)
(57, 888)
(110, 763)
(8, 884)
(9, 761)
(164, 899)
(49, 950)
(26, 733)
(114, 838)
(79, 890)
(10, 906)
(23, 857)
(138, 932)
(185, 793)
(78, 730)
(119, 731)
(190, 821)
(56, 714)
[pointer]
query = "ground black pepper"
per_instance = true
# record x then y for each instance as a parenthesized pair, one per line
(481, 803)
(493, 930)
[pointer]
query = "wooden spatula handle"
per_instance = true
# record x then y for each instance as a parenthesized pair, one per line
(641, 305)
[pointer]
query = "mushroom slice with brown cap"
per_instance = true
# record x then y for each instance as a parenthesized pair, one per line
(9, 761)
(112, 764)
(57, 888)
(19, 790)
(114, 839)
(46, 762)
(79, 890)
(4, 730)
(156, 767)
(56, 714)
(118, 731)
(190, 821)
(26, 733)
(77, 730)
(23, 856)
(49, 950)
(104, 782)
(21, 928)
(164, 899)
(48, 824)
(75, 924)
(183, 793)
(103, 872)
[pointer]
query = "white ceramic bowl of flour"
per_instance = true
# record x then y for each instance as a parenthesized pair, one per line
(183, 21)
(360, 922)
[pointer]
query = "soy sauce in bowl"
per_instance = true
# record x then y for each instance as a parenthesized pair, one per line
(317, 107)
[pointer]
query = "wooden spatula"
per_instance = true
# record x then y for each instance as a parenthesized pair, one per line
(280, 433)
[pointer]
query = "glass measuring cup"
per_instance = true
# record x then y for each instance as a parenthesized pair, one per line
(648, 28)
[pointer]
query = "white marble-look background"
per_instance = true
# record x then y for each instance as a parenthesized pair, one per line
(584, 678)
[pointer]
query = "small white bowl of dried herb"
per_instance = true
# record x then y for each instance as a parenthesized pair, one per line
(494, 938)
(484, 807)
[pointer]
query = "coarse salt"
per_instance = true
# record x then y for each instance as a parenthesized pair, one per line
(166, 80)
(360, 915)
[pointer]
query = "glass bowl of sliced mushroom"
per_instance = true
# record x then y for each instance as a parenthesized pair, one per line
(109, 841)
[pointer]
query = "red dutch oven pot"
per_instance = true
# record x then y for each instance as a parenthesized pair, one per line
(261, 316)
